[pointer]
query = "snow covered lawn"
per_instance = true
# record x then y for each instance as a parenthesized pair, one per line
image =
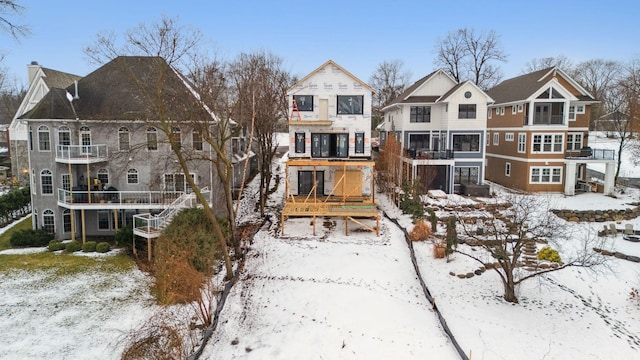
(329, 296)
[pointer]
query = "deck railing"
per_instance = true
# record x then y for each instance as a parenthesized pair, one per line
(591, 154)
(117, 197)
(81, 152)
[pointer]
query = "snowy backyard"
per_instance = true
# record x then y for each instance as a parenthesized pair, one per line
(332, 296)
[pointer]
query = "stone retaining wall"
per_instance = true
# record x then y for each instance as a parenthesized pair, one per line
(599, 215)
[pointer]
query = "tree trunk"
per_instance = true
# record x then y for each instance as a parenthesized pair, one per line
(509, 287)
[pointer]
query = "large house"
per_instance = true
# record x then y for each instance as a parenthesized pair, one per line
(101, 151)
(41, 80)
(330, 171)
(441, 126)
(537, 135)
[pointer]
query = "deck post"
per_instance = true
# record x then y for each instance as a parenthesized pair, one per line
(346, 225)
(84, 230)
(314, 225)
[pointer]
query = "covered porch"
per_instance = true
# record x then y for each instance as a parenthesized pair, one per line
(576, 167)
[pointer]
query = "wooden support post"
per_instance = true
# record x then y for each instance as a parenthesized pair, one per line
(314, 225)
(135, 252)
(282, 225)
(115, 216)
(84, 226)
(346, 225)
(377, 225)
(149, 249)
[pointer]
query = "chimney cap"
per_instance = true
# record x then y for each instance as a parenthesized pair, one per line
(34, 63)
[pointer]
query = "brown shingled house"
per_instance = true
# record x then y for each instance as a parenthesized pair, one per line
(537, 133)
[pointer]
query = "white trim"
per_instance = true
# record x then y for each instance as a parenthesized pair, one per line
(526, 159)
(524, 143)
(514, 109)
(508, 136)
(541, 168)
(507, 169)
(520, 108)
(542, 143)
(538, 128)
(496, 138)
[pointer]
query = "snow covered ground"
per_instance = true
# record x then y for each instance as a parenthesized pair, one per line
(629, 167)
(332, 296)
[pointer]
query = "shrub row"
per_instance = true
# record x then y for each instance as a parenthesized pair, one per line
(30, 238)
(73, 246)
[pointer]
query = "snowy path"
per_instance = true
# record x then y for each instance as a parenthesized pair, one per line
(329, 297)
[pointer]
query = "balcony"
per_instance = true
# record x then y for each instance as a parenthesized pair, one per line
(86, 199)
(546, 119)
(81, 154)
(150, 226)
(424, 154)
(587, 153)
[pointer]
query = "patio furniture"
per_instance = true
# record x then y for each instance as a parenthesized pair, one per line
(612, 229)
(628, 229)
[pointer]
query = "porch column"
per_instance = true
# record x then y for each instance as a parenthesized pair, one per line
(570, 178)
(609, 177)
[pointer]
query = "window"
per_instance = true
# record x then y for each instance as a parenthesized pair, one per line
(466, 142)
(104, 220)
(64, 136)
(196, 138)
(546, 175)
(304, 102)
(467, 94)
(85, 140)
(132, 176)
(350, 104)
(489, 112)
(177, 182)
(420, 114)
(152, 139)
(419, 141)
(507, 169)
(305, 182)
(549, 143)
(44, 142)
(496, 138)
(522, 143)
(300, 148)
(549, 113)
(66, 220)
(30, 138)
(329, 145)
(514, 109)
(465, 174)
(103, 176)
(508, 137)
(175, 135)
(359, 143)
(580, 109)
(488, 138)
(572, 112)
(467, 111)
(574, 141)
(501, 110)
(519, 108)
(66, 182)
(123, 139)
(46, 182)
(49, 221)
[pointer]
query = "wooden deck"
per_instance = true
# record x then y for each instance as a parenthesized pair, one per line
(352, 210)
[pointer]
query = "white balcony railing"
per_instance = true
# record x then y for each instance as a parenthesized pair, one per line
(81, 153)
(80, 197)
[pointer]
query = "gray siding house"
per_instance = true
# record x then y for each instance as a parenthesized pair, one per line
(99, 150)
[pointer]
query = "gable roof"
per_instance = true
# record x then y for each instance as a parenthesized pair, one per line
(406, 95)
(333, 63)
(454, 89)
(126, 88)
(522, 87)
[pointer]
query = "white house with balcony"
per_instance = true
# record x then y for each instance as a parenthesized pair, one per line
(441, 126)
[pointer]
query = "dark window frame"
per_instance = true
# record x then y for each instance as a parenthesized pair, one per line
(346, 107)
(328, 145)
(467, 111)
(305, 182)
(359, 146)
(466, 138)
(303, 102)
(300, 138)
(420, 114)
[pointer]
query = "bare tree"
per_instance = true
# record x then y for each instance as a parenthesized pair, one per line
(389, 80)
(9, 9)
(598, 76)
(507, 228)
(467, 54)
(559, 61)
(261, 84)
(389, 168)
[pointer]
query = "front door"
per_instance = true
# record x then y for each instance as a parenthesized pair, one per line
(305, 182)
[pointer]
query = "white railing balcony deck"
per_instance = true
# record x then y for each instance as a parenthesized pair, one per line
(81, 154)
(588, 153)
(85, 199)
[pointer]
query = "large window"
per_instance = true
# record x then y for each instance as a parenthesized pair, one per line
(177, 182)
(49, 221)
(304, 102)
(64, 136)
(300, 148)
(522, 142)
(132, 176)
(66, 220)
(177, 139)
(467, 111)
(546, 175)
(350, 104)
(547, 143)
(46, 182)
(305, 182)
(574, 141)
(104, 222)
(466, 174)
(44, 140)
(549, 113)
(103, 176)
(123, 139)
(419, 141)
(329, 145)
(359, 143)
(420, 114)
(466, 142)
(66, 182)
(85, 139)
(152, 139)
